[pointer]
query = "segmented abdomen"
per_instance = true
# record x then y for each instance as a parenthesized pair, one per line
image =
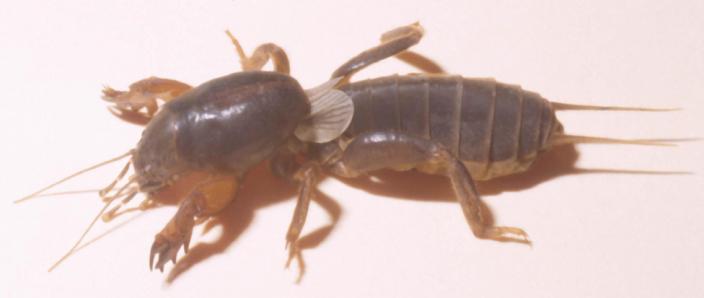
(494, 128)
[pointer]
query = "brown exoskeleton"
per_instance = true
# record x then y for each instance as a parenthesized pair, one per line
(465, 129)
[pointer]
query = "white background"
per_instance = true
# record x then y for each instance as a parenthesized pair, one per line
(595, 235)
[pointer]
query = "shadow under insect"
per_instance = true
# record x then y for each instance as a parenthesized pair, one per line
(262, 189)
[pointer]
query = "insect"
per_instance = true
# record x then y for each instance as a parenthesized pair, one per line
(466, 129)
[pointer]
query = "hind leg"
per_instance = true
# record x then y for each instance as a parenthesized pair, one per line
(393, 43)
(379, 150)
(206, 199)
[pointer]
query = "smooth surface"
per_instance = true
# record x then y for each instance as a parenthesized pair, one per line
(595, 235)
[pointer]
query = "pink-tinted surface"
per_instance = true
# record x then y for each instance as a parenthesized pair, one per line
(595, 235)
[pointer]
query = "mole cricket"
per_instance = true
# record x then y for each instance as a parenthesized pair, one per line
(467, 129)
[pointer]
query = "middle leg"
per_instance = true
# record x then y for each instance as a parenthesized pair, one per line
(261, 56)
(306, 177)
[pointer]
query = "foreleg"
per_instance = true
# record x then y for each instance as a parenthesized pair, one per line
(139, 104)
(206, 199)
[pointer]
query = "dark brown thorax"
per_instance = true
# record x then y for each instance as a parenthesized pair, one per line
(227, 124)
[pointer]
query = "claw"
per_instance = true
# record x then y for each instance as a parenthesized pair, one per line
(130, 116)
(167, 249)
(295, 252)
(291, 254)
(186, 242)
(127, 105)
(175, 234)
(179, 229)
(292, 247)
(140, 103)
(157, 247)
(508, 234)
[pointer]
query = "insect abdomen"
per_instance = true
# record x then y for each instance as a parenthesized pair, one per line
(494, 128)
